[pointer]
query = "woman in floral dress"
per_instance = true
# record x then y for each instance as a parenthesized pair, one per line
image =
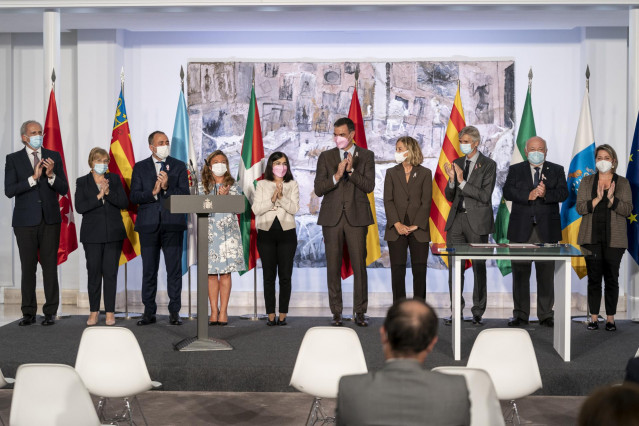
(225, 241)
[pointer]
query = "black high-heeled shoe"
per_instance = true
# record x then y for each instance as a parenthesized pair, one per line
(593, 325)
(611, 326)
(281, 321)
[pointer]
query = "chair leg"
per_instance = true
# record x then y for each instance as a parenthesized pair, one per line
(137, 401)
(512, 413)
(317, 414)
(101, 409)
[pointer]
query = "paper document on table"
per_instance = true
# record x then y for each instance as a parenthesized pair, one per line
(523, 245)
(486, 245)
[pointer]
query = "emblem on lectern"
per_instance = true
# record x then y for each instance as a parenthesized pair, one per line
(208, 204)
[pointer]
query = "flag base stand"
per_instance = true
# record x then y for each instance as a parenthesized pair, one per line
(352, 317)
(193, 344)
(635, 320)
(128, 315)
(585, 320)
(253, 317)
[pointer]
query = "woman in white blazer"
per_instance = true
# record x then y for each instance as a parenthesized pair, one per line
(277, 199)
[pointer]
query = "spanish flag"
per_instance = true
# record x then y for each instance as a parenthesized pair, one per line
(122, 162)
(440, 206)
(373, 250)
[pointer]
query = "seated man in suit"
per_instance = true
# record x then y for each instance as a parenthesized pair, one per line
(470, 189)
(35, 176)
(403, 392)
(153, 180)
(535, 187)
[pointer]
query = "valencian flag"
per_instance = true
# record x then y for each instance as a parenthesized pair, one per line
(526, 131)
(121, 163)
(53, 141)
(250, 171)
(581, 165)
(373, 250)
(440, 206)
(632, 174)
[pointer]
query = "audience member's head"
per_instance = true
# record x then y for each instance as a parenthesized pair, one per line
(632, 371)
(611, 406)
(409, 330)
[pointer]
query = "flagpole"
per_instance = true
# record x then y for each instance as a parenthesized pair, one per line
(188, 267)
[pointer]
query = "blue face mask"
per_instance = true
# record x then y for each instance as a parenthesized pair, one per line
(100, 168)
(466, 148)
(35, 141)
(536, 157)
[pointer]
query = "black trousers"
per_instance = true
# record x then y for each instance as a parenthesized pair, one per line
(42, 239)
(170, 242)
(603, 263)
(102, 269)
(277, 251)
(398, 252)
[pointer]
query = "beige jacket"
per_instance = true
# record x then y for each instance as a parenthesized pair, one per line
(284, 208)
(621, 209)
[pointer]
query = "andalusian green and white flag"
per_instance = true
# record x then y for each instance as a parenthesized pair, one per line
(526, 131)
(250, 171)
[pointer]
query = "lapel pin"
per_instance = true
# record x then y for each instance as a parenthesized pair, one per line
(415, 175)
(167, 167)
(356, 153)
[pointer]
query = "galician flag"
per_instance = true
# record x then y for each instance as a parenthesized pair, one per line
(373, 250)
(250, 171)
(581, 165)
(632, 174)
(53, 141)
(182, 149)
(526, 131)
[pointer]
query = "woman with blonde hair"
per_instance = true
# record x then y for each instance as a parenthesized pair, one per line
(407, 198)
(226, 254)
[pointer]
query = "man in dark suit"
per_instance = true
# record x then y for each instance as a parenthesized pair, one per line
(344, 177)
(35, 176)
(470, 189)
(535, 188)
(403, 392)
(153, 180)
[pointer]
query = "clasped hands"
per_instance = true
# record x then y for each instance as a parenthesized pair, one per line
(403, 229)
(162, 182)
(277, 194)
(538, 192)
(600, 193)
(45, 163)
(104, 188)
(454, 171)
(345, 166)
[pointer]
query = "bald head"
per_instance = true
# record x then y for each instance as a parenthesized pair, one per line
(536, 142)
(536, 150)
(410, 328)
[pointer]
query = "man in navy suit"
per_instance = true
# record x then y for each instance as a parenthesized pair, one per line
(535, 187)
(153, 180)
(34, 175)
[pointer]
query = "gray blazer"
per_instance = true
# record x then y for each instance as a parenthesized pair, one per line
(410, 198)
(477, 192)
(403, 393)
(350, 196)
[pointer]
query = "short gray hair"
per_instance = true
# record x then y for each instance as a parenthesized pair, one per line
(470, 131)
(23, 128)
(540, 138)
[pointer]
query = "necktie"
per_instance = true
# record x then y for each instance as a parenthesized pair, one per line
(461, 206)
(536, 178)
(36, 160)
(162, 166)
(345, 176)
(466, 169)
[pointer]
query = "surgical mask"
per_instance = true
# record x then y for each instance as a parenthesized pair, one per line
(400, 156)
(162, 152)
(100, 168)
(603, 166)
(218, 169)
(466, 148)
(279, 170)
(340, 141)
(536, 157)
(35, 141)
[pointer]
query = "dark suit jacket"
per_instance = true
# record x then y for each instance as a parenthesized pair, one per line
(478, 192)
(351, 193)
(518, 185)
(101, 222)
(41, 200)
(151, 212)
(403, 393)
(412, 198)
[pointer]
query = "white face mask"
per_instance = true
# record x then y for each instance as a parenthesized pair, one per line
(400, 156)
(603, 166)
(162, 152)
(218, 169)
(466, 148)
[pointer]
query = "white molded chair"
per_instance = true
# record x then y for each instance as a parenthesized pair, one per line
(111, 365)
(484, 404)
(509, 358)
(326, 354)
(4, 381)
(51, 395)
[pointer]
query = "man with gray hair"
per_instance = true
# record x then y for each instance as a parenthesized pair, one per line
(35, 176)
(470, 220)
(403, 392)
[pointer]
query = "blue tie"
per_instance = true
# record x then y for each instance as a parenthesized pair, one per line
(162, 165)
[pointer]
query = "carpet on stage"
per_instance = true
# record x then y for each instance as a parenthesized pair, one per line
(263, 357)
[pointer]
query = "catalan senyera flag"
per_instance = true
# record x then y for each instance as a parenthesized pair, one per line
(121, 163)
(440, 206)
(373, 249)
(632, 174)
(250, 171)
(53, 141)
(581, 165)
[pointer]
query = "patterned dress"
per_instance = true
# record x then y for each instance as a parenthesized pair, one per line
(225, 241)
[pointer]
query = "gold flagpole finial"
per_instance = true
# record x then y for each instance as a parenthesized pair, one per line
(588, 78)
(182, 77)
(530, 77)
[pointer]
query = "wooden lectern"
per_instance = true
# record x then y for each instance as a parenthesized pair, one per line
(202, 205)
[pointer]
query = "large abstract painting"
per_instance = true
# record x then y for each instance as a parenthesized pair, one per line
(298, 103)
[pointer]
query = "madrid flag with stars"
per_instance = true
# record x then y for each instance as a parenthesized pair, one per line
(53, 141)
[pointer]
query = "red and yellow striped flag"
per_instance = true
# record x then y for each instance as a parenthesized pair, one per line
(440, 206)
(122, 162)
